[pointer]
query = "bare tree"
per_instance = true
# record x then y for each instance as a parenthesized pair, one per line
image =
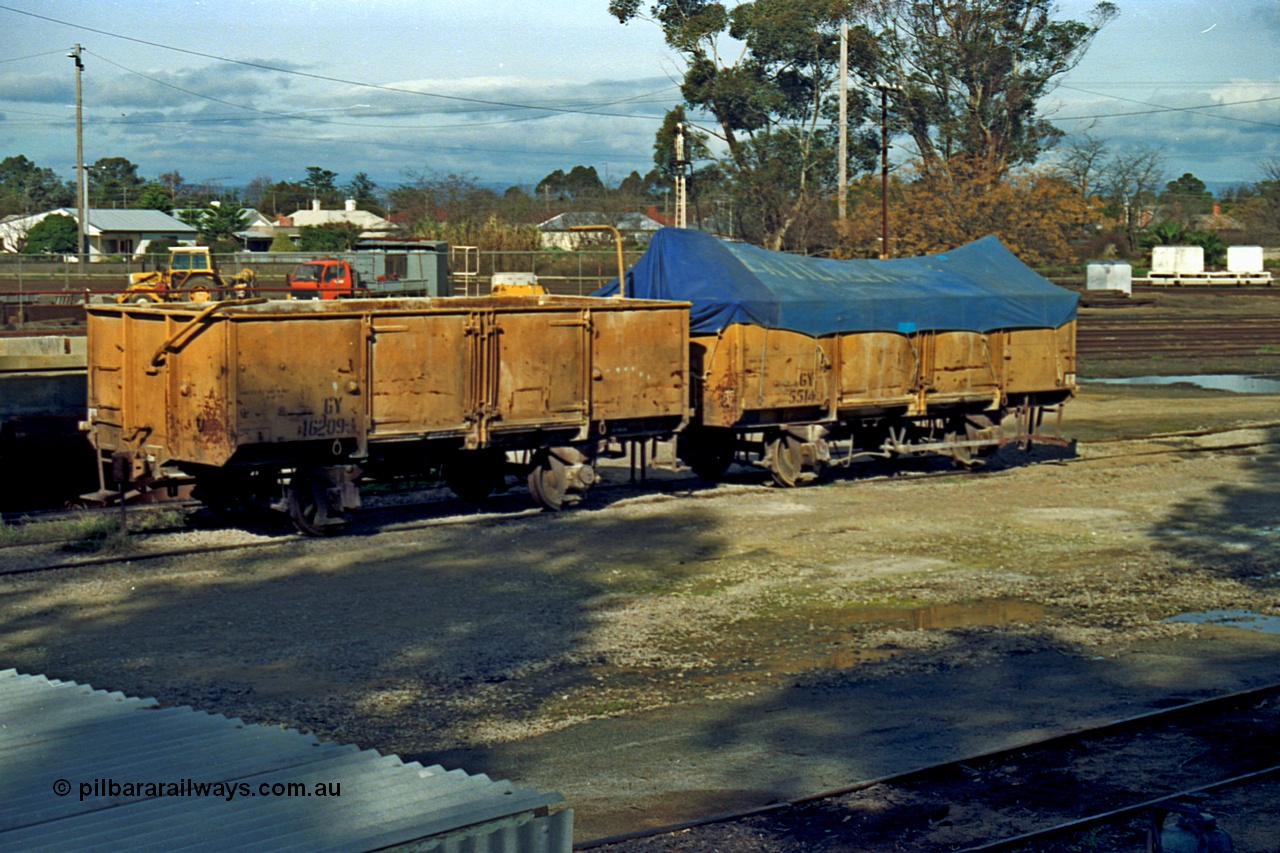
(1130, 180)
(1082, 162)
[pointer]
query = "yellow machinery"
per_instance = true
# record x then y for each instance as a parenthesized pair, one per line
(190, 276)
(515, 284)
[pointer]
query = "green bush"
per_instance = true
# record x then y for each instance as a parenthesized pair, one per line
(333, 237)
(55, 234)
(282, 242)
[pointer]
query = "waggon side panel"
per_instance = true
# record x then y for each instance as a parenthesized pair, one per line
(417, 374)
(1039, 360)
(639, 362)
(787, 370)
(875, 369)
(765, 376)
(197, 398)
(714, 364)
(106, 354)
(147, 422)
(297, 380)
(542, 368)
(962, 365)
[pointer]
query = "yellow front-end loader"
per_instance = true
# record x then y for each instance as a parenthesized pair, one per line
(191, 276)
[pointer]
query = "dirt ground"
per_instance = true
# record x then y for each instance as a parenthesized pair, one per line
(665, 653)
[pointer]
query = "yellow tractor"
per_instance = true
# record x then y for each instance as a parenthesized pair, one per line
(515, 284)
(191, 276)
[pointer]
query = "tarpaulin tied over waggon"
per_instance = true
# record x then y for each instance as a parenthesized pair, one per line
(978, 287)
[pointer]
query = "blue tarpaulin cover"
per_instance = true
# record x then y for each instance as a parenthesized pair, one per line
(977, 287)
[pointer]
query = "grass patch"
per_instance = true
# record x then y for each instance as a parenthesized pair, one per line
(90, 533)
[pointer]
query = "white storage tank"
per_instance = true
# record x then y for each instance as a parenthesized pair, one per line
(1244, 259)
(1177, 259)
(1109, 275)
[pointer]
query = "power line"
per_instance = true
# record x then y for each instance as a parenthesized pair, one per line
(33, 56)
(1198, 110)
(326, 78)
(586, 109)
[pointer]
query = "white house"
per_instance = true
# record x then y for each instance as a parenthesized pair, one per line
(111, 232)
(634, 227)
(371, 225)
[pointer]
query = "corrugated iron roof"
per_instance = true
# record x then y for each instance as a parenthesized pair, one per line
(105, 219)
(621, 221)
(54, 732)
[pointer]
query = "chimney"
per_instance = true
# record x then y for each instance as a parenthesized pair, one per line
(1217, 208)
(315, 204)
(349, 205)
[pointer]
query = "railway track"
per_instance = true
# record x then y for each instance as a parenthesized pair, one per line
(1112, 339)
(1115, 780)
(440, 507)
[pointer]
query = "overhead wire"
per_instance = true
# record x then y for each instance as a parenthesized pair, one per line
(1159, 108)
(589, 108)
(307, 74)
(31, 56)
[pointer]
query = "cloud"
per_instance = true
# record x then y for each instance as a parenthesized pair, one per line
(37, 88)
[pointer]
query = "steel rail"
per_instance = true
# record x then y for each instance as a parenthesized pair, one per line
(675, 488)
(1115, 814)
(903, 777)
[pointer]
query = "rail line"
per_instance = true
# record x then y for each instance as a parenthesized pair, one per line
(449, 509)
(1111, 339)
(1033, 791)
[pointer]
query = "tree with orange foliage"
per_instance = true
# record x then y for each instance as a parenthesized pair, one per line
(1033, 211)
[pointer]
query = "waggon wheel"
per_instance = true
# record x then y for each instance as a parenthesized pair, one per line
(708, 454)
(549, 481)
(786, 457)
(712, 465)
(306, 500)
(473, 475)
(961, 457)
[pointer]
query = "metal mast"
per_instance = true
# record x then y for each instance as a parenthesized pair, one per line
(842, 184)
(681, 201)
(82, 193)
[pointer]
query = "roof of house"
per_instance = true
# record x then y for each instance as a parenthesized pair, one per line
(105, 219)
(362, 219)
(621, 221)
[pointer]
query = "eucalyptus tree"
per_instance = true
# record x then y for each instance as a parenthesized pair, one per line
(766, 73)
(968, 76)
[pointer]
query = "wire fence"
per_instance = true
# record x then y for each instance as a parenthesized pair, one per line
(470, 271)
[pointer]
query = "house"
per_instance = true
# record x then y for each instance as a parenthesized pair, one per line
(634, 227)
(111, 232)
(372, 226)
(1216, 221)
(258, 232)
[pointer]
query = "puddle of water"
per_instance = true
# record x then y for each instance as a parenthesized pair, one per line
(1214, 381)
(1246, 619)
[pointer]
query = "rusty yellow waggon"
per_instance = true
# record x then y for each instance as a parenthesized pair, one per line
(802, 363)
(292, 401)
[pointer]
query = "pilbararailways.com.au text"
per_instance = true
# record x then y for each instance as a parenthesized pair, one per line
(190, 788)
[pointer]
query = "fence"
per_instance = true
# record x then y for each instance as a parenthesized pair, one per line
(559, 271)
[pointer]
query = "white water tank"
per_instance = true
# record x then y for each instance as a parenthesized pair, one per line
(1109, 275)
(1244, 259)
(1177, 259)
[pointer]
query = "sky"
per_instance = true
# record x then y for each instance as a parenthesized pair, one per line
(507, 91)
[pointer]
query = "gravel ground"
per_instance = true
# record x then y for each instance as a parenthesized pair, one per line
(506, 643)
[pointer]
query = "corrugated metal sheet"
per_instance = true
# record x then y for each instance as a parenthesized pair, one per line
(54, 732)
(106, 219)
